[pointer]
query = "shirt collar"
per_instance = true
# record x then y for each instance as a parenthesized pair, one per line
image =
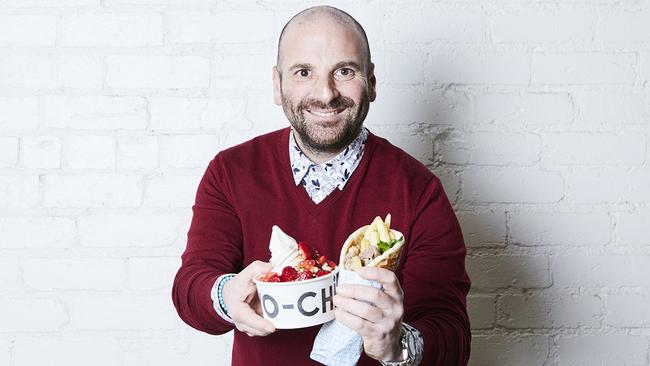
(339, 168)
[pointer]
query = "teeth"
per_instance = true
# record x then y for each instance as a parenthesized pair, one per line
(324, 113)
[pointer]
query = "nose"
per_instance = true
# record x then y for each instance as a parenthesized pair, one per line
(325, 90)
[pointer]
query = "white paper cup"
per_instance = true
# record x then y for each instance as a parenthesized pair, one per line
(298, 304)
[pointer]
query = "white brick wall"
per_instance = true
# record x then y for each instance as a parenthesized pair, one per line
(18, 191)
(9, 274)
(111, 30)
(78, 350)
(628, 310)
(40, 152)
(534, 115)
(139, 72)
(116, 312)
(5, 352)
(36, 30)
(510, 350)
(37, 232)
(629, 350)
(560, 228)
(8, 151)
(33, 314)
(95, 112)
(63, 274)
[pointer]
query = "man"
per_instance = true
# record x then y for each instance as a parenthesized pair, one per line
(319, 181)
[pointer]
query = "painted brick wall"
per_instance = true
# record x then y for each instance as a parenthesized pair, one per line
(534, 114)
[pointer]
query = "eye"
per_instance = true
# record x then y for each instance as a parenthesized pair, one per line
(303, 73)
(344, 74)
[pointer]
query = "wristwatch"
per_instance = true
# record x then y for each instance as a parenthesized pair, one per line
(407, 355)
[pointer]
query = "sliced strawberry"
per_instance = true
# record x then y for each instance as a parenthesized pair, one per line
(270, 277)
(321, 260)
(331, 264)
(288, 274)
(307, 251)
(322, 272)
(304, 275)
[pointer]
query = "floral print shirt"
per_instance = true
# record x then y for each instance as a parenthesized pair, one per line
(320, 180)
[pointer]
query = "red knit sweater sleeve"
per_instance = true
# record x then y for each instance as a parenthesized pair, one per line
(213, 248)
(435, 282)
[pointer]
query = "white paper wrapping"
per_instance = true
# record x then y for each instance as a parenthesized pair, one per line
(336, 344)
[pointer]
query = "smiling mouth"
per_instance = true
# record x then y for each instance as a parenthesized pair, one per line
(325, 113)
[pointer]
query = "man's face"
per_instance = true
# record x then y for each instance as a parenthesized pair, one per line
(323, 84)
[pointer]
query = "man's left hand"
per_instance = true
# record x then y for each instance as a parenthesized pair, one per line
(375, 314)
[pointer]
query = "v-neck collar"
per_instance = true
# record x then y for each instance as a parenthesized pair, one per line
(320, 180)
(299, 191)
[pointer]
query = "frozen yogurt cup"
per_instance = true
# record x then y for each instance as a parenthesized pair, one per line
(298, 304)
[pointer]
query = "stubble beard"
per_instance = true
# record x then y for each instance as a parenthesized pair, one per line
(319, 139)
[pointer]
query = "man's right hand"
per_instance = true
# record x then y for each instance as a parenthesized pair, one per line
(240, 297)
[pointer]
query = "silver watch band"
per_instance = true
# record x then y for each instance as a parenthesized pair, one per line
(408, 358)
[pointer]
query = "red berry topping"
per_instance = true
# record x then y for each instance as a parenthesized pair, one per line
(331, 264)
(321, 260)
(307, 251)
(270, 277)
(304, 275)
(288, 274)
(322, 272)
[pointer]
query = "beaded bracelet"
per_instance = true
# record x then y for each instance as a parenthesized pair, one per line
(223, 281)
(217, 296)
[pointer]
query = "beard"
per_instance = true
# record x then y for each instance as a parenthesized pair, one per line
(331, 136)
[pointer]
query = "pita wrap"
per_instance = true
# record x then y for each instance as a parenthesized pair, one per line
(356, 254)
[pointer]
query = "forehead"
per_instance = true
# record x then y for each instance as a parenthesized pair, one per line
(320, 42)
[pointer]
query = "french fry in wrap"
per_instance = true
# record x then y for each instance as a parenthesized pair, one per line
(374, 245)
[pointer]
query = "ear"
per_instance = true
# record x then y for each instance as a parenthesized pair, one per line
(372, 83)
(277, 88)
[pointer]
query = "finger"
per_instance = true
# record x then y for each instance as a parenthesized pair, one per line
(385, 277)
(254, 269)
(248, 330)
(247, 317)
(250, 293)
(359, 325)
(359, 308)
(366, 293)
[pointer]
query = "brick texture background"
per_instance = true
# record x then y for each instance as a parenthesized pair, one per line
(534, 114)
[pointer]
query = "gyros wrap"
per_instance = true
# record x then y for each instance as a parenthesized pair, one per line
(374, 245)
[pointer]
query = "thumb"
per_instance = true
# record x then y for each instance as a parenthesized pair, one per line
(254, 269)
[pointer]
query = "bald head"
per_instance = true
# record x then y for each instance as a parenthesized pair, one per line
(330, 15)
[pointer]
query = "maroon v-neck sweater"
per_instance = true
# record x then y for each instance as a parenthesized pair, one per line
(249, 188)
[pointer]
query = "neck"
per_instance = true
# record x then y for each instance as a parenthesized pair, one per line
(318, 157)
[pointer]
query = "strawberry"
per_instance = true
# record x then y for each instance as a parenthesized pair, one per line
(304, 275)
(322, 272)
(270, 277)
(307, 265)
(307, 251)
(288, 274)
(331, 264)
(321, 260)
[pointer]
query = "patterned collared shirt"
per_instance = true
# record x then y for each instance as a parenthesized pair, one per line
(320, 180)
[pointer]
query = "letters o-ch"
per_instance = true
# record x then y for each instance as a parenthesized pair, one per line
(301, 299)
(274, 313)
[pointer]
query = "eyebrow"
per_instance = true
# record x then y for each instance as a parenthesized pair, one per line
(351, 64)
(300, 66)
